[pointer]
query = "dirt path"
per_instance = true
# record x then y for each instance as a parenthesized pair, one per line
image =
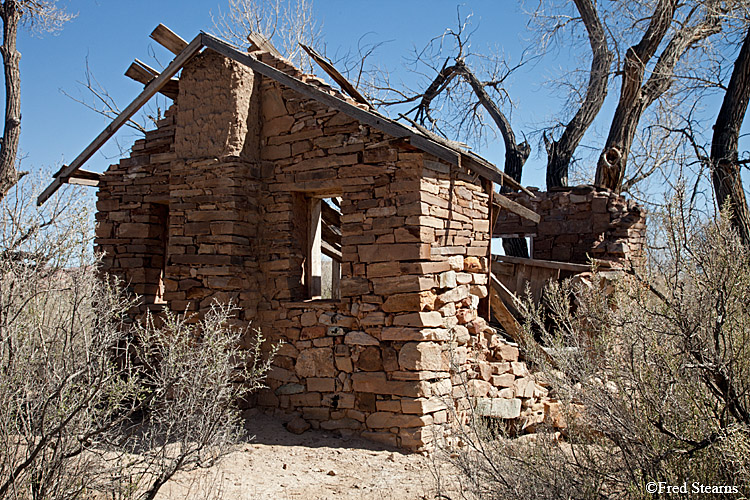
(314, 465)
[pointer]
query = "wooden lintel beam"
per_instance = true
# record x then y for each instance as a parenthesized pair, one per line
(326, 65)
(168, 39)
(152, 88)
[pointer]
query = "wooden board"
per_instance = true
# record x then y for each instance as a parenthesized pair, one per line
(168, 39)
(334, 73)
(259, 42)
(504, 317)
(143, 73)
(551, 264)
(516, 208)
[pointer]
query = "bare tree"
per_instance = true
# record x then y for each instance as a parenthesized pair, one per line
(560, 152)
(284, 23)
(725, 167)
(42, 16)
(701, 20)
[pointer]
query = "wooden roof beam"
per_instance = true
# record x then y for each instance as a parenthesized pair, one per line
(168, 39)
(143, 73)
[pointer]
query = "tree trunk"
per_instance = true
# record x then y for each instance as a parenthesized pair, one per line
(725, 171)
(560, 152)
(610, 169)
(11, 16)
(515, 154)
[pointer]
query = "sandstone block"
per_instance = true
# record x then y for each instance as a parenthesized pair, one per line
(422, 356)
(455, 295)
(417, 301)
(422, 406)
(461, 334)
(360, 338)
(504, 380)
(386, 420)
(315, 384)
(375, 382)
(524, 387)
(498, 407)
(507, 352)
(370, 360)
(291, 388)
(297, 425)
(432, 318)
(393, 252)
(447, 279)
(315, 362)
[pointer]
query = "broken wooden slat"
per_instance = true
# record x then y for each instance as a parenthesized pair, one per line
(83, 182)
(334, 73)
(516, 208)
(168, 39)
(82, 174)
(151, 89)
(259, 42)
(143, 73)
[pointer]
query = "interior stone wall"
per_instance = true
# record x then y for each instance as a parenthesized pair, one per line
(579, 223)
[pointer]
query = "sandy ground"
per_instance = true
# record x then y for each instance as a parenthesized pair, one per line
(277, 464)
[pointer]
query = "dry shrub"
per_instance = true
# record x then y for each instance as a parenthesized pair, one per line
(653, 377)
(93, 405)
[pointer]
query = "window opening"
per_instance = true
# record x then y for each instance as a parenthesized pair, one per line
(324, 252)
(160, 259)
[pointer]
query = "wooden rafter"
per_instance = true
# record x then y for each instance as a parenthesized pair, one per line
(143, 73)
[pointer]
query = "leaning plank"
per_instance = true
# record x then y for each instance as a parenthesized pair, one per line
(334, 73)
(513, 328)
(152, 88)
(504, 317)
(379, 122)
(168, 39)
(330, 251)
(516, 208)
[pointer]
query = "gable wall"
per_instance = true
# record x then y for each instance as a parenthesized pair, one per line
(380, 361)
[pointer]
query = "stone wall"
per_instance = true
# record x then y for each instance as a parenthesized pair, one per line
(578, 223)
(393, 357)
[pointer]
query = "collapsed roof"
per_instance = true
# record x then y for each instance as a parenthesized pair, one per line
(356, 108)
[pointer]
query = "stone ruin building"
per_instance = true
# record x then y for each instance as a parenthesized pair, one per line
(361, 243)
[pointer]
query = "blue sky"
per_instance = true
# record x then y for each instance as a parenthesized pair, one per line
(110, 34)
